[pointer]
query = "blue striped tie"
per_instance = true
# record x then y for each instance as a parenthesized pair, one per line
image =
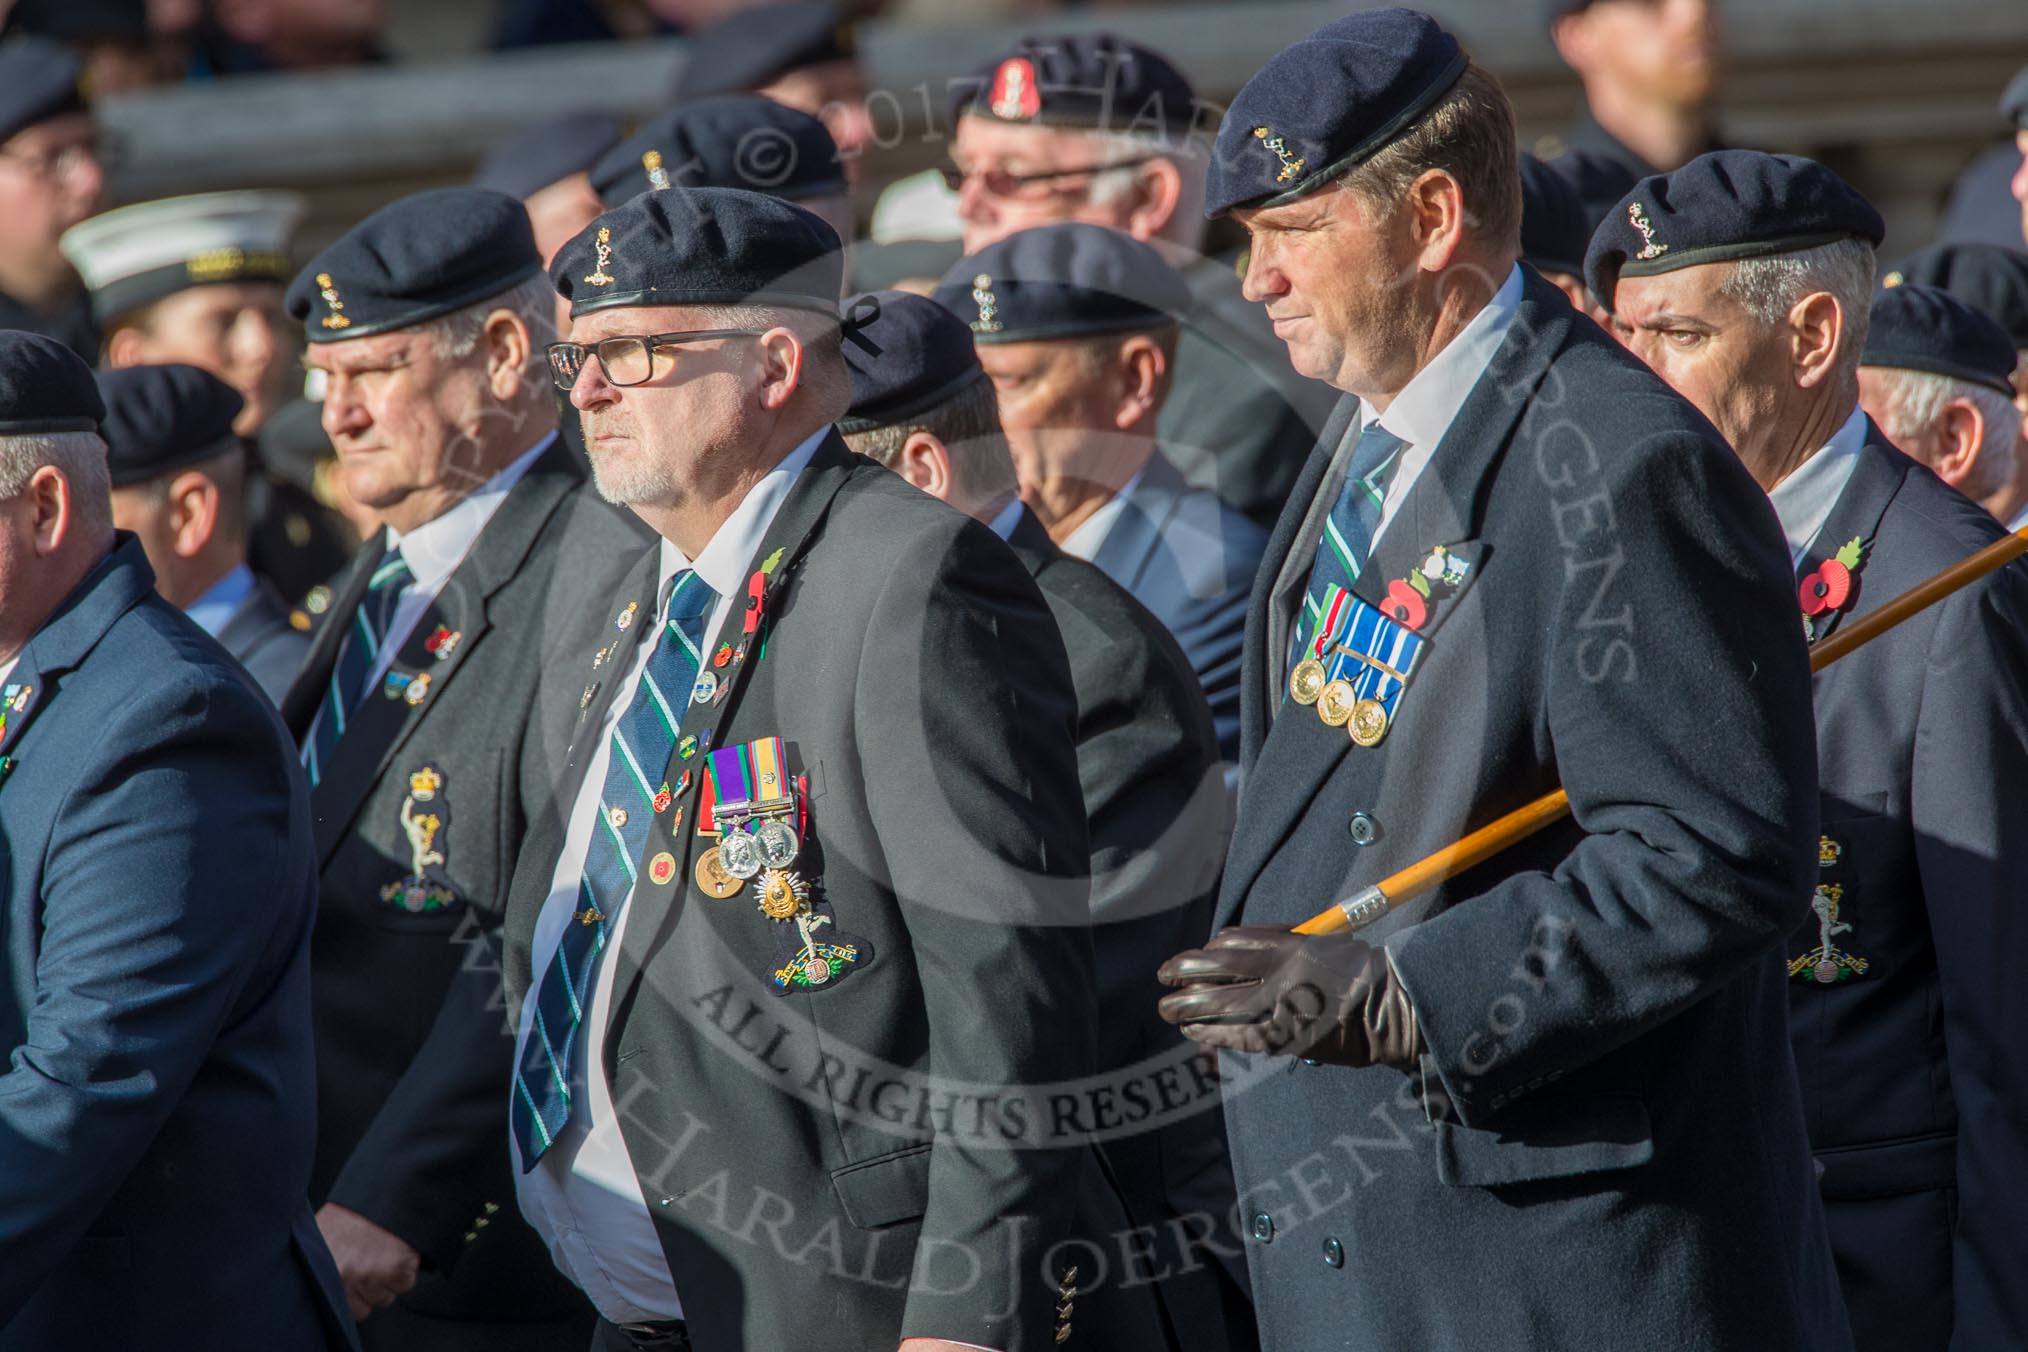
(641, 743)
(356, 657)
(1349, 529)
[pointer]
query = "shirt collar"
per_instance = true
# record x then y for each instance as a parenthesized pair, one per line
(434, 549)
(1804, 500)
(212, 611)
(1426, 406)
(1090, 535)
(723, 561)
(1003, 524)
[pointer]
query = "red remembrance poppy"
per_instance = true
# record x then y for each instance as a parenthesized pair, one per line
(1404, 606)
(1829, 588)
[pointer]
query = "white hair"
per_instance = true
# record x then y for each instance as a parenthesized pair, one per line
(532, 301)
(79, 456)
(1189, 154)
(1769, 288)
(1913, 403)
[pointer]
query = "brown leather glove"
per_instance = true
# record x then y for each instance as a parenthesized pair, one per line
(1324, 997)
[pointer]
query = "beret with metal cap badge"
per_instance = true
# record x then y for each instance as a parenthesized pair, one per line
(907, 355)
(1327, 103)
(1067, 280)
(729, 141)
(45, 387)
(1725, 205)
(163, 418)
(1925, 328)
(414, 260)
(702, 246)
(1097, 81)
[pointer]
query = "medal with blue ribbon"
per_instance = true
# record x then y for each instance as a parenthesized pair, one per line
(1355, 667)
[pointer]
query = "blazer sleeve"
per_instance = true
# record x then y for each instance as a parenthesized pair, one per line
(170, 885)
(963, 717)
(1678, 709)
(1971, 843)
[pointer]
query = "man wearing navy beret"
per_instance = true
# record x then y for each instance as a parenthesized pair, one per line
(1937, 377)
(1515, 561)
(1147, 760)
(817, 908)
(179, 474)
(50, 179)
(1075, 325)
(1746, 281)
(156, 898)
(430, 713)
(1095, 129)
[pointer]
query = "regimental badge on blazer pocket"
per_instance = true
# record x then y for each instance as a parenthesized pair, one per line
(756, 803)
(426, 824)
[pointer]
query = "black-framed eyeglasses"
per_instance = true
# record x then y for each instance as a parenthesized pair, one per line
(1001, 183)
(628, 359)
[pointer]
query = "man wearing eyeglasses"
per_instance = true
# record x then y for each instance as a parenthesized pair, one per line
(50, 179)
(429, 732)
(1095, 129)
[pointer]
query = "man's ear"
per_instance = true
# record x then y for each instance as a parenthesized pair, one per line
(508, 351)
(52, 509)
(1138, 366)
(926, 462)
(1437, 219)
(125, 346)
(193, 512)
(1961, 433)
(780, 354)
(1158, 191)
(1816, 331)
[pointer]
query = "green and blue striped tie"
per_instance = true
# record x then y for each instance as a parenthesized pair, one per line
(1350, 528)
(356, 657)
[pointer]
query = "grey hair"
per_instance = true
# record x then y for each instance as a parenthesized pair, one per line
(825, 377)
(1914, 403)
(1190, 155)
(532, 301)
(968, 424)
(1769, 288)
(79, 456)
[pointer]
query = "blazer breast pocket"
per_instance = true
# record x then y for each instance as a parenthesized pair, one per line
(1547, 1137)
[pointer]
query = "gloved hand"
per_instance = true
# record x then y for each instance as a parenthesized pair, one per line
(1327, 997)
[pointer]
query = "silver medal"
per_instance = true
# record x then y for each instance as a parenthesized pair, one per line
(778, 843)
(740, 854)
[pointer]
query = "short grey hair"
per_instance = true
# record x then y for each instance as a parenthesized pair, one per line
(826, 379)
(79, 456)
(533, 301)
(968, 424)
(1189, 153)
(1768, 288)
(1914, 401)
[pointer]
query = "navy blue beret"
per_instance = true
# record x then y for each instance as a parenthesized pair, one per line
(1724, 205)
(1328, 103)
(908, 355)
(162, 418)
(2014, 101)
(1600, 181)
(414, 260)
(528, 159)
(39, 79)
(755, 46)
(45, 387)
(1925, 328)
(702, 246)
(730, 141)
(1990, 278)
(1097, 81)
(1554, 230)
(1062, 281)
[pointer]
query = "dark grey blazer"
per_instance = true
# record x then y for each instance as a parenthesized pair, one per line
(1605, 1146)
(913, 669)
(412, 1045)
(267, 645)
(1913, 1086)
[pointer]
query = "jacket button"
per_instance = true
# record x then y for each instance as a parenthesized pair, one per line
(1263, 1227)
(1334, 1253)
(1365, 830)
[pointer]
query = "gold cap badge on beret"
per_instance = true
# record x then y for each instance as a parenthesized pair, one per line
(1638, 218)
(658, 177)
(605, 248)
(328, 289)
(1291, 166)
(989, 305)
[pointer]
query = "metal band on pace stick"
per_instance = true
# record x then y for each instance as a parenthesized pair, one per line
(1369, 904)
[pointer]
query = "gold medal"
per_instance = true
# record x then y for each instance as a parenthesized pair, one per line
(782, 894)
(1368, 723)
(712, 879)
(1306, 682)
(1334, 703)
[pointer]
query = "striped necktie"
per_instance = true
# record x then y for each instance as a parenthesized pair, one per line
(356, 657)
(1349, 529)
(639, 752)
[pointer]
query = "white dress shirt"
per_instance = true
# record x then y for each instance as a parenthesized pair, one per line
(2020, 520)
(212, 611)
(1009, 516)
(7, 667)
(583, 1196)
(1429, 403)
(1090, 535)
(1804, 500)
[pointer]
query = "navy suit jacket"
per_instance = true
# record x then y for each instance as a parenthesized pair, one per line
(1191, 559)
(267, 645)
(1913, 1080)
(156, 893)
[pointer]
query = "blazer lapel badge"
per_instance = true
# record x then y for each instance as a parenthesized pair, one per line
(1831, 588)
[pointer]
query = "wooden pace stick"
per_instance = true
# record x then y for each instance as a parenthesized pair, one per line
(1369, 904)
